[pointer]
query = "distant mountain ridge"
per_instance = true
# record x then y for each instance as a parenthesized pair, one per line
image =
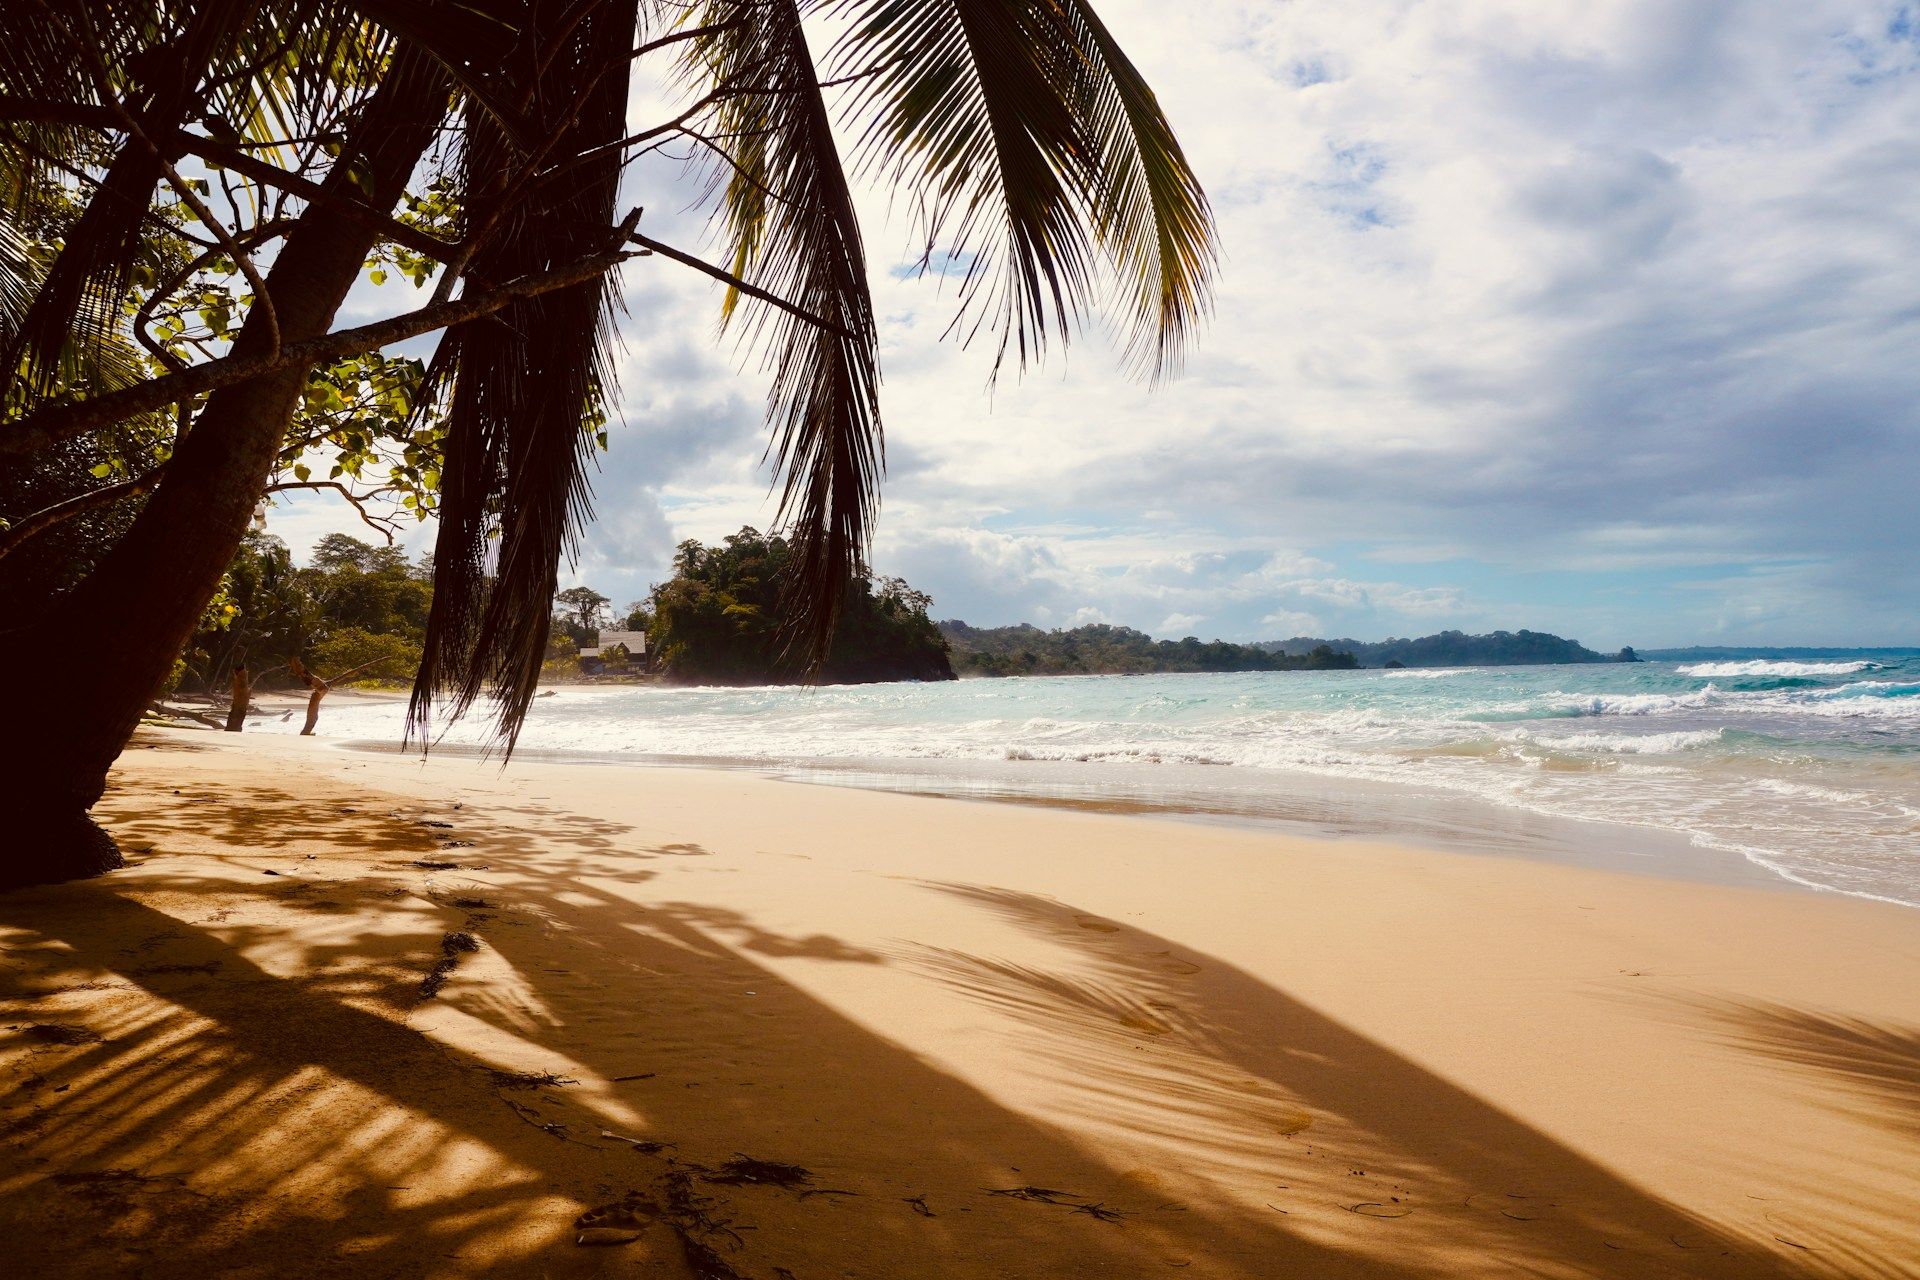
(1457, 649)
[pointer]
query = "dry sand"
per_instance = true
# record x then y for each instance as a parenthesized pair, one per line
(799, 1032)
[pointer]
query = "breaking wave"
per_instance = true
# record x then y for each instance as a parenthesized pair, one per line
(1810, 769)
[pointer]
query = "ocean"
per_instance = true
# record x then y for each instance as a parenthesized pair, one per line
(1806, 770)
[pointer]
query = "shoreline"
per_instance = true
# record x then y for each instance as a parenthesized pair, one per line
(1306, 806)
(992, 1040)
(1655, 774)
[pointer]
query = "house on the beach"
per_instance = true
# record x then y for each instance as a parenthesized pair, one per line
(635, 642)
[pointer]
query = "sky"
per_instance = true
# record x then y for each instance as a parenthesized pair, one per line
(1600, 319)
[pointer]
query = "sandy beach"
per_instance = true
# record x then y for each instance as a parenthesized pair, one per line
(360, 1015)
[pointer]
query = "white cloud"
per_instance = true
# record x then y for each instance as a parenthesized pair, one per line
(1284, 624)
(1542, 305)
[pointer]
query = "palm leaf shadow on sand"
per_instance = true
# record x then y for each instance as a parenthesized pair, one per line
(1869, 1069)
(1231, 1061)
(283, 1064)
(319, 1111)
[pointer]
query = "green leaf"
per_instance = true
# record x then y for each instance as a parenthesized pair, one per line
(378, 277)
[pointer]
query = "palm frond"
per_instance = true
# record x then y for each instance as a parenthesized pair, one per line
(1149, 212)
(1028, 141)
(524, 386)
(160, 70)
(964, 113)
(477, 44)
(787, 217)
(161, 67)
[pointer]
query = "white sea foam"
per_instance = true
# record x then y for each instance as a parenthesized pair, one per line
(1819, 783)
(1629, 744)
(1630, 704)
(1766, 667)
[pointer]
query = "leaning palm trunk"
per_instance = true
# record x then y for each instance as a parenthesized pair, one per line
(158, 579)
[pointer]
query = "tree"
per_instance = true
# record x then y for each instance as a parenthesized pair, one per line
(282, 148)
(724, 619)
(585, 611)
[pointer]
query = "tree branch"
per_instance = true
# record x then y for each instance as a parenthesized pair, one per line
(45, 518)
(241, 259)
(752, 291)
(50, 425)
(383, 527)
(227, 155)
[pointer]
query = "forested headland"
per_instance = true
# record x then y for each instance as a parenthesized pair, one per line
(1101, 649)
(728, 616)
(1457, 649)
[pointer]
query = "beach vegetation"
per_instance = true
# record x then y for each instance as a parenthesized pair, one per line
(1103, 649)
(582, 612)
(356, 614)
(1453, 649)
(729, 615)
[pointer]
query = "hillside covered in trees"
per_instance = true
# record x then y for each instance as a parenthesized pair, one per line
(1099, 649)
(356, 611)
(727, 616)
(1457, 649)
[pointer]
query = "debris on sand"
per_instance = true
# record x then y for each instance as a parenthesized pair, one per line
(454, 945)
(1045, 1195)
(644, 1146)
(63, 1033)
(528, 1079)
(1065, 1199)
(696, 1228)
(1100, 1211)
(745, 1170)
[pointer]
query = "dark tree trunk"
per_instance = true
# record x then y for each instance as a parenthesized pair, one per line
(155, 583)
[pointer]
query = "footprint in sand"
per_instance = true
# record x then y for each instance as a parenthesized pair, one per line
(617, 1223)
(1096, 924)
(1172, 963)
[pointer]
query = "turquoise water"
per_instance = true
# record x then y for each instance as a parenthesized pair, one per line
(1809, 769)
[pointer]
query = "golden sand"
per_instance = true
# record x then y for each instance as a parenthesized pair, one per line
(718, 1025)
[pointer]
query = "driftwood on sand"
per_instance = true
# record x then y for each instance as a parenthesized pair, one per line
(318, 690)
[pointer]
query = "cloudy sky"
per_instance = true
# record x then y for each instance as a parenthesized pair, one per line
(1602, 319)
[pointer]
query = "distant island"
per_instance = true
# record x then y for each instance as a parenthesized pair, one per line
(1102, 650)
(1457, 649)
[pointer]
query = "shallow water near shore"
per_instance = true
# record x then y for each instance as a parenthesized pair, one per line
(1807, 770)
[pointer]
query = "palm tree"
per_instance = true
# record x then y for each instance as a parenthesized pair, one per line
(483, 143)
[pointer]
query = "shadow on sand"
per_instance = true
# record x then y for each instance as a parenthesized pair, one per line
(195, 1086)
